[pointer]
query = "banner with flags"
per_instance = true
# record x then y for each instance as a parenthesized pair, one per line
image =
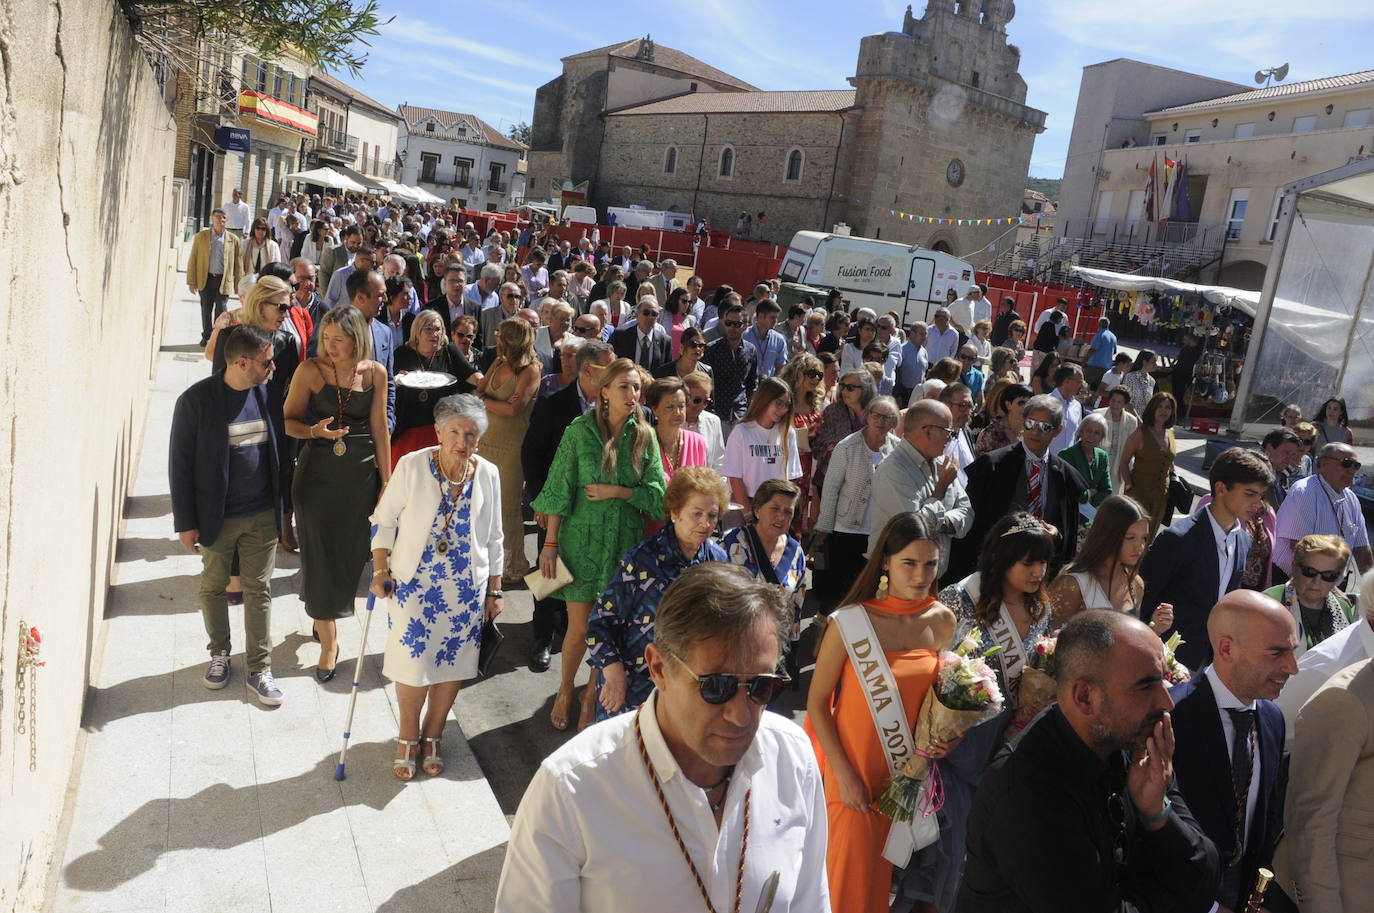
(1168, 180)
(1183, 208)
(1150, 182)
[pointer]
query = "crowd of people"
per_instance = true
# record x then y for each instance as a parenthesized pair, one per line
(708, 477)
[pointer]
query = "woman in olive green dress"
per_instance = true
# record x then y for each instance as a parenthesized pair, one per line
(341, 468)
(606, 480)
(1147, 460)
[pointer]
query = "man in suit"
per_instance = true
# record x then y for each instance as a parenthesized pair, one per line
(644, 341)
(231, 482)
(1199, 559)
(339, 255)
(451, 303)
(551, 417)
(214, 270)
(626, 261)
(366, 290)
(1024, 476)
(665, 281)
(561, 258)
(490, 318)
(1324, 860)
(1228, 737)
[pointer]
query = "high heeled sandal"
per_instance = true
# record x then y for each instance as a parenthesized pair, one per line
(433, 760)
(406, 765)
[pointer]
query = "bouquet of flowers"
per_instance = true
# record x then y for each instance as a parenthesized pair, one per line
(1039, 681)
(964, 695)
(1175, 673)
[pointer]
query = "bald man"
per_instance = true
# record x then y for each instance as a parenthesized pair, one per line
(1230, 737)
(916, 477)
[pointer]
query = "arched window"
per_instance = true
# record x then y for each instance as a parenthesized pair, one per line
(670, 160)
(794, 165)
(727, 162)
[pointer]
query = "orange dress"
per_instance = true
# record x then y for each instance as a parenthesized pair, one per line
(860, 878)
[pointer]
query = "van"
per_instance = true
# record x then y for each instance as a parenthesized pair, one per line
(880, 275)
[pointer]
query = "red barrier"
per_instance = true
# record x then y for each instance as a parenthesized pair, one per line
(740, 270)
(1033, 299)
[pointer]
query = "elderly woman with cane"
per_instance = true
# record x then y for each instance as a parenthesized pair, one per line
(437, 549)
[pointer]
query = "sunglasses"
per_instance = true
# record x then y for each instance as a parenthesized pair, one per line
(1042, 427)
(1348, 463)
(1328, 576)
(812, 375)
(734, 324)
(850, 388)
(695, 344)
(465, 335)
(721, 687)
(950, 432)
(581, 330)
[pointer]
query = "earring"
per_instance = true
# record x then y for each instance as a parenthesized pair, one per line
(882, 586)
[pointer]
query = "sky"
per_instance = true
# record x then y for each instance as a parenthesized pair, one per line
(443, 54)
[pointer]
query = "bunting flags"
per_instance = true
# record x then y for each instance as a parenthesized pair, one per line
(940, 220)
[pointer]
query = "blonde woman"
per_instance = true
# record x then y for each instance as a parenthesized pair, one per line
(806, 376)
(606, 480)
(509, 390)
(344, 462)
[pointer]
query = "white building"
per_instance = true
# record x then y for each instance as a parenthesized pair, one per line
(357, 135)
(461, 158)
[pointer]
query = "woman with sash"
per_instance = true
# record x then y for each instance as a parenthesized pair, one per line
(891, 628)
(1006, 603)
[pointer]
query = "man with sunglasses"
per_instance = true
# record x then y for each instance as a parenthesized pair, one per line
(1324, 503)
(1350, 644)
(644, 341)
(734, 364)
(1085, 815)
(700, 799)
(231, 482)
(1029, 476)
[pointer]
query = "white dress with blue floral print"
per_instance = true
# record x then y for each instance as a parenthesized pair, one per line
(435, 623)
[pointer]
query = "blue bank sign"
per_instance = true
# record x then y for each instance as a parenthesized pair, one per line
(233, 139)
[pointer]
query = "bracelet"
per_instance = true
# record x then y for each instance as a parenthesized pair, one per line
(495, 594)
(1163, 813)
(312, 432)
(550, 543)
(381, 570)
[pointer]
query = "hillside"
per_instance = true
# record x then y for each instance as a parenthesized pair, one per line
(1048, 186)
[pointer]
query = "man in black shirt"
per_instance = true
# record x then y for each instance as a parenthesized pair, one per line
(734, 366)
(1084, 815)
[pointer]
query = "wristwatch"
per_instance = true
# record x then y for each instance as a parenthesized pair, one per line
(495, 594)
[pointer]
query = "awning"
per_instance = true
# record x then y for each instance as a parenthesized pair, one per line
(401, 192)
(372, 185)
(424, 195)
(326, 177)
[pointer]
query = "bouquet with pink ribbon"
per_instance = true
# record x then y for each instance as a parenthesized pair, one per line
(964, 695)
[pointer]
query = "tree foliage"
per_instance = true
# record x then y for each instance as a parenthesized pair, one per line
(520, 132)
(324, 33)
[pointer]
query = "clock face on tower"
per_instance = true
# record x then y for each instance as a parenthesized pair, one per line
(955, 173)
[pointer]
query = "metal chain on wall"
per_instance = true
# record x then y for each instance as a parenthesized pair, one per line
(26, 686)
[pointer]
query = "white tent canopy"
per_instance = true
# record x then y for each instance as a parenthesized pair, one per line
(401, 192)
(422, 195)
(326, 177)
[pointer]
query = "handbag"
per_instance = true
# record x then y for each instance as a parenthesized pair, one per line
(542, 586)
(1181, 495)
(492, 638)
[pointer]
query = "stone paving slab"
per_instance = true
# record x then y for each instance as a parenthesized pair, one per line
(193, 800)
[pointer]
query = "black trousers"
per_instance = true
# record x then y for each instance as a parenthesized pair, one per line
(845, 559)
(212, 304)
(550, 615)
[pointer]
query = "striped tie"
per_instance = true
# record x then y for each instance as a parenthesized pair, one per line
(1035, 501)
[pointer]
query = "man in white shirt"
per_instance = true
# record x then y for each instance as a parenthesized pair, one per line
(274, 217)
(237, 214)
(970, 309)
(959, 398)
(697, 799)
(1068, 380)
(1324, 503)
(1344, 648)
(889, 340)
(942, 340)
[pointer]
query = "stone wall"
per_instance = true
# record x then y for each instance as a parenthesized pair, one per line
(86, 216)
(633, 158)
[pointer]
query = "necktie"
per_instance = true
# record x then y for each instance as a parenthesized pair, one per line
(1242, 764)
(644, 351)
(1035, 490)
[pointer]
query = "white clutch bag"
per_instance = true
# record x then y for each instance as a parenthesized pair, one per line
(542, 586)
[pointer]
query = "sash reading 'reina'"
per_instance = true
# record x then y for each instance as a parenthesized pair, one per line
(889, 720)
(1012, 656)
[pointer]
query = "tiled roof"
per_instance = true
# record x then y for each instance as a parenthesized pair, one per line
(665, 56)
(446, 119)
(343, 88)
(1280, 91)
(747, 103)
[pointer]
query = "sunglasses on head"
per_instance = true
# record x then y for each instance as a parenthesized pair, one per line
(1328, 576)
(721, 687)
(1042, 427)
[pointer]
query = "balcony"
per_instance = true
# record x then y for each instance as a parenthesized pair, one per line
(336, 144)
(461, 180)
(498, 186)
(1177, 250)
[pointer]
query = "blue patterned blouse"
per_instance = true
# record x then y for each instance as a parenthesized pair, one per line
(791, 570)
(622, 621)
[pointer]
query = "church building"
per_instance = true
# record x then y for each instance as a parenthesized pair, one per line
(934, 124)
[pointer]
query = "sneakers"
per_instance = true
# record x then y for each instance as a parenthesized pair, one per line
(217, 674)
(265, 687)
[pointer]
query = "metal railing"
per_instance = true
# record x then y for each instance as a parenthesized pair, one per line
(1139, 231)
(337, 142)
(496, 186)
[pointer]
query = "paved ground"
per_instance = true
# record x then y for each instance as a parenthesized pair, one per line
(193, 800)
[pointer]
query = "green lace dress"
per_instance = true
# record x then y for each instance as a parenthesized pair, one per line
(594, 534)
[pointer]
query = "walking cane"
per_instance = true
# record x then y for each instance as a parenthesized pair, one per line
(357, 674)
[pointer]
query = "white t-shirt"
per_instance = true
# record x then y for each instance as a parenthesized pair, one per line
(753, 454)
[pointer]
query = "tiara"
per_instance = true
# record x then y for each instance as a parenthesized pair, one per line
(1027, 524)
